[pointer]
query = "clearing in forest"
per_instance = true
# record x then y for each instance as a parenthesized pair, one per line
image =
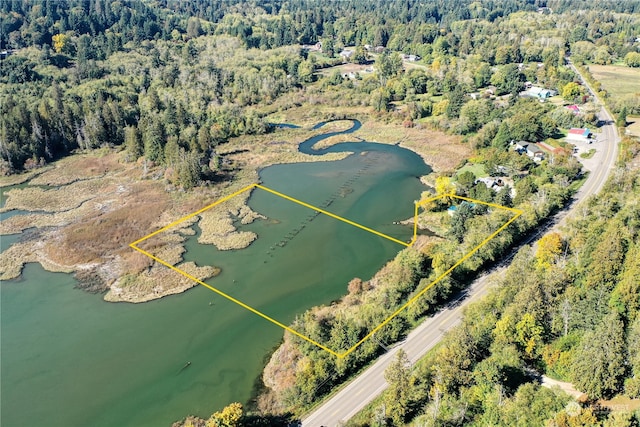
(418, 205)
(618, 80)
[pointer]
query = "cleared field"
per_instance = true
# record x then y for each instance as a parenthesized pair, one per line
(476, 168)
(348, 68)
(617, 79)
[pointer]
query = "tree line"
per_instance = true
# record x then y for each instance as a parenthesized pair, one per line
(568, 309)
(84, 71)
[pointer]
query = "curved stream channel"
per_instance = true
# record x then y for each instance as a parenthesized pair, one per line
(70, 359)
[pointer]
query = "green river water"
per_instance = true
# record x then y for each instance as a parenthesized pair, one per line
(70, 359)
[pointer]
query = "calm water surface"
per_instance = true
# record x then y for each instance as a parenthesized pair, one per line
(70, 359)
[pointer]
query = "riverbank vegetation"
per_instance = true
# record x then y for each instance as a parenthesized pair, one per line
(568, 308)
(299, 373)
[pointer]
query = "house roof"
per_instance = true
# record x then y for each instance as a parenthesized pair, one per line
(539, 91)
(579, 131)
(532, 148)
(573, 107)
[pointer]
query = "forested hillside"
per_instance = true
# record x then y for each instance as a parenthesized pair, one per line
(162, 78)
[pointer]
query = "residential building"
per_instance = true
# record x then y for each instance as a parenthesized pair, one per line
(521, 146)
(579, 135)
(411, 58)
(535, 152)
(540, 93)
(346, 54)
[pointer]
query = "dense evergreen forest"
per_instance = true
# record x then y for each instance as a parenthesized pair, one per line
(171, 80)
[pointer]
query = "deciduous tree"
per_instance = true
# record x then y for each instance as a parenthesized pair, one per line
(600, 362)
(549, 248)
(61, 43)
(571, 91)
(397, 397)
(230, 416)
(632, 59)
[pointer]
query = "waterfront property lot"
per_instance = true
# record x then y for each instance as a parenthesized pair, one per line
(306, 263)
(294, 256)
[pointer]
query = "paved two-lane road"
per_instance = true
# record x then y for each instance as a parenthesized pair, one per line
(370, 383)
(606, 149)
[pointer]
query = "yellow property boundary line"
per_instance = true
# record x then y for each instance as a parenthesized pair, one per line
(419, 204)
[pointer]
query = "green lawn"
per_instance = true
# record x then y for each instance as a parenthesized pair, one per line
(589, 154)
(476, 168)
(557, 100)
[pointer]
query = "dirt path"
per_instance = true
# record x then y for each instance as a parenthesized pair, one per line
(564, 386)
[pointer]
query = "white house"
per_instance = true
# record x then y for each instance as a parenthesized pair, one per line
(535, 152)
(494, 184)
(411, 58)
(346, 54)
(540, 93)
(579, 135)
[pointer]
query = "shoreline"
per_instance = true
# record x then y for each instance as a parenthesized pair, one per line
(105, 196)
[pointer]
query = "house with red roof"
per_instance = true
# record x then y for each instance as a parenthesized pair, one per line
(579, 135)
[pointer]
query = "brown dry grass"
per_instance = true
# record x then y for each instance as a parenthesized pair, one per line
(217, 224)
(425, 243)
(61, 199)
(101, 204)
(259, 151)
(104, 233)
(309, 114)
(6, 181)
(19, 223)
(13, 259)
(94, 219)
(80, 167)
(345, 68)
(279, 375)
(438, 222)
(440, 151)
(333, 140)
(157, 282)
(336, 126)
(232, 241)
